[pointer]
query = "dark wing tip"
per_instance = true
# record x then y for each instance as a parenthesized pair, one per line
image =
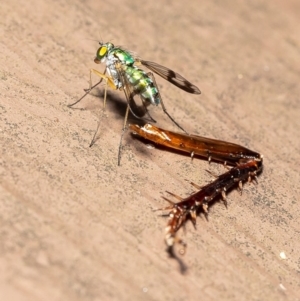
(189, 87)
(196, 90)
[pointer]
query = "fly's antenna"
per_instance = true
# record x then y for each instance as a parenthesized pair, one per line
(100, 41)
(93, 40)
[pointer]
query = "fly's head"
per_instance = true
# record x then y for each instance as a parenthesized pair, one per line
(102, 52)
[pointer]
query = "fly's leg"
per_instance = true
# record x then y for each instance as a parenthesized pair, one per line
(87, 91)
(163, 105)
(146, 110)
(129, 94)
(101, 75)
(132, 107)
(122, 134)
(108, 81)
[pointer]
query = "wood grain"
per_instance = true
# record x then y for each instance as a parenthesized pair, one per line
(74, 225)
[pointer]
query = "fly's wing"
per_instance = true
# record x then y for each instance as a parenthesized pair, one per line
(171, 76)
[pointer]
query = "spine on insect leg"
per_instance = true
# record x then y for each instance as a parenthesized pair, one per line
(189, 207)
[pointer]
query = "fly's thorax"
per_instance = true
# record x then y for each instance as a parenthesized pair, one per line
(122, 56)
(142, 84)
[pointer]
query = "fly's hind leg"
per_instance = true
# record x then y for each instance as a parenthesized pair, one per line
(151, 119)
(150, 74)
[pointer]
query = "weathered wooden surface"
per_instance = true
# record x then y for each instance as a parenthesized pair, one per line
(74, 225)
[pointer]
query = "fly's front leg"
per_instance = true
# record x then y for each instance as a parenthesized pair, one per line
(94, 86)
(108, 82)
(150, 74)
(87, 91)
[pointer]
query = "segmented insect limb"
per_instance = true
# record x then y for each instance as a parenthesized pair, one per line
(212, 149)
(247, 164)
(189, 207)
(87, 91)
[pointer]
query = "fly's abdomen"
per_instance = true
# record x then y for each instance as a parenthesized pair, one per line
(142, 84)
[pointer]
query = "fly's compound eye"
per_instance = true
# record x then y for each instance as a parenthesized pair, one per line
(101, 53)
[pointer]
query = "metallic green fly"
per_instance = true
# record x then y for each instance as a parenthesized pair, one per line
(122, 73)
